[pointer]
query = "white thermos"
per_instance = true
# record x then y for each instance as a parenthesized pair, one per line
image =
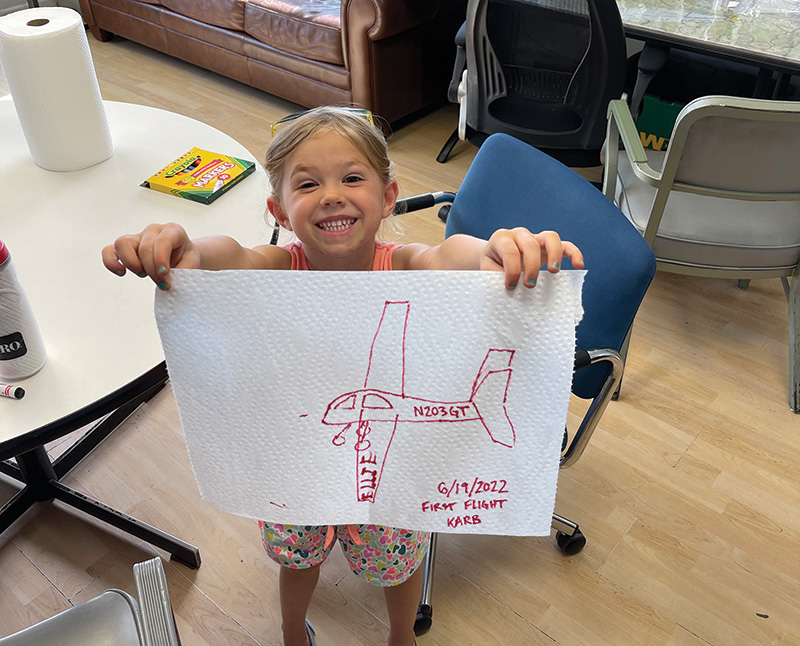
(22, 352)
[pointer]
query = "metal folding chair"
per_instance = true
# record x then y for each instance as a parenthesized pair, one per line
(723, 201)
(113, 617)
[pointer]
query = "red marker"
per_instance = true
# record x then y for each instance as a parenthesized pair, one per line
(14, 392)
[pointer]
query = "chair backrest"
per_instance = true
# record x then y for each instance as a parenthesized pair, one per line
(512, 184)
(723, 143)
(544, 70)
(109, 618)
(113, 617)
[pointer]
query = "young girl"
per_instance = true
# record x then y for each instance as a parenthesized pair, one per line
(333, 186)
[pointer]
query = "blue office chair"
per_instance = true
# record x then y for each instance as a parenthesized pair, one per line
(512, 184)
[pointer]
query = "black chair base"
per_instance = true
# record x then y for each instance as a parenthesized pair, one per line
(424, 620)
(444, 153)
(570, 541)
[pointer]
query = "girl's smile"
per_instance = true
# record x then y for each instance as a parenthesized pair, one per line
(336, 225)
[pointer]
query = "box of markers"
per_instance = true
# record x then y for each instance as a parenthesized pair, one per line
(200, 175)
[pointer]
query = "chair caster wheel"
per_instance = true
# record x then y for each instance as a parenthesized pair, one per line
(570, 545)
(424, 620)
(443, 212)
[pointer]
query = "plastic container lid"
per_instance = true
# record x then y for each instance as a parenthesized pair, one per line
(3, 252)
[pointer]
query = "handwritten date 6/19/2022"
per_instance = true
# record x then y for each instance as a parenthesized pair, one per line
(469, 489)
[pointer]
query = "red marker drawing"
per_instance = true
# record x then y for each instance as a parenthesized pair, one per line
(374, 413)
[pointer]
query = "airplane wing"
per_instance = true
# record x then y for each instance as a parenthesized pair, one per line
(372, 445)
(387, 356)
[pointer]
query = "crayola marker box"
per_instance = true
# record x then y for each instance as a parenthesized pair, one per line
(200, 175)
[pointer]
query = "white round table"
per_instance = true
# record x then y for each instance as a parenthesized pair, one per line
(99, 330)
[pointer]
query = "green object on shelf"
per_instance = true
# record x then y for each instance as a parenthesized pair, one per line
(656, 121)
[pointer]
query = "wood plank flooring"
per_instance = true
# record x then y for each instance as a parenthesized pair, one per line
(689, 493)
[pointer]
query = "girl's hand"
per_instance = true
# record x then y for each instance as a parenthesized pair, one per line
(518, 251)
(153, 252)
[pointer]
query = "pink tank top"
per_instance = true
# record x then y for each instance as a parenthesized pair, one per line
(382, 262)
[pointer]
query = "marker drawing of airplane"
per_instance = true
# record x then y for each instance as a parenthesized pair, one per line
(374, 411)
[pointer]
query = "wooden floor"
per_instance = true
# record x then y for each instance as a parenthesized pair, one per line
(689, 493)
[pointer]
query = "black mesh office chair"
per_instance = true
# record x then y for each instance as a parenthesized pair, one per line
(542, 71)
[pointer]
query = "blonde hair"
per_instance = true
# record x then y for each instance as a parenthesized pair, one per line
(354, 126)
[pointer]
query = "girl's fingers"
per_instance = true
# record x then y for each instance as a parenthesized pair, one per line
(506, 256)
(126, 250)
(553, 250)
(573, 253)
(145, 252)
(168, 249)
(161, 245)
(112, 262)
(520, 251)
(531, 250)
(150, 253)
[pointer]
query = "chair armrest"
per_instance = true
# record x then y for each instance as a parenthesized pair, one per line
(621, 126)
(584, 358)
(460, 64)
(628, 132)
(155, 609)
(424, 201)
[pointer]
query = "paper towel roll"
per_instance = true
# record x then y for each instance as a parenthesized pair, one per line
(46, 59)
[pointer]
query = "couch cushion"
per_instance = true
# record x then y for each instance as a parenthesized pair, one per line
(222, 13)
(205, 34)
(124, 8)
(308, 28)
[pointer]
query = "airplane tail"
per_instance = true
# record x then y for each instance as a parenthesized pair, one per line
(489, 396)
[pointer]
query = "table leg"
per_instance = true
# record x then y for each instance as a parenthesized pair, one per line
(763, 80)
(36, 471)
(781, 86)
(180, 551)
(14, 508)
(651, 61)
(11, 470)
(41, 479)
(100, 431)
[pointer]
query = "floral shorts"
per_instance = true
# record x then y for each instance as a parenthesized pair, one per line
(386, 556)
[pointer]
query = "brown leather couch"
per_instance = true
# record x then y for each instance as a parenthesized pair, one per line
(391, 56)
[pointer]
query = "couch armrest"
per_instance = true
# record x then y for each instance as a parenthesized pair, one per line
(383, 18)
(364, 24)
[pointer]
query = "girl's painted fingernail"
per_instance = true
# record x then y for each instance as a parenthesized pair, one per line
(531, 282)
(141, 274)
(162, 269)
(512, 286)
(556, 265)
(162, 285)
(119, 272)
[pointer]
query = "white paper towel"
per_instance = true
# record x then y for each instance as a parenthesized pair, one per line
(462, 388)
(47, 63)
